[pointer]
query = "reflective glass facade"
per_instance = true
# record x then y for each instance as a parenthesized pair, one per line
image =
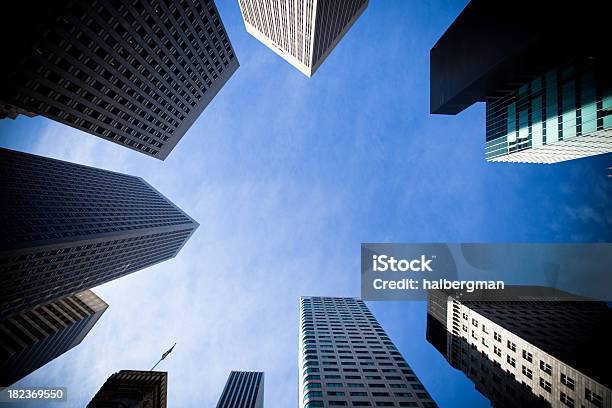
(65, 228)
(564, 114)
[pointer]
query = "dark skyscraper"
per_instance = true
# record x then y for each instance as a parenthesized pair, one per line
(65, 228)
(33, 338)
(543, 72)
(137, 73)
(243, 389)
(538, 347)
(129, 388)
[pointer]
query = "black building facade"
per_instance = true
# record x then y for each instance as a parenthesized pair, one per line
(136, 72)
(244, 389)
(130, 388)
(33, 338)
(543, 71)
(65, 228)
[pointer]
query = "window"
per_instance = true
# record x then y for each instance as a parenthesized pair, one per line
(475, 322)
(497, 336)
(545, 367)
(566, 400)
(335, 393)
(527, 372)
(497, 351)
(484, 342)
(313, 394)
(593, 398)
(511, 361)
(528, 356)
(545, 385)
(567, 381)
(511, 345)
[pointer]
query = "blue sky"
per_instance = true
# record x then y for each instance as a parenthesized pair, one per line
(287, 176)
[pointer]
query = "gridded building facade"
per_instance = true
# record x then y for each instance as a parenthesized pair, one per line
(244, 389)
(303, 32)
(547, 349)
(543, 72)
(562, 115)
(65, 228)
(346, 359)
(33, 338)
(136, 72)
(129, 388)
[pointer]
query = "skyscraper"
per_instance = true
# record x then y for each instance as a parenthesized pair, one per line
(302, 32)
(33, 338)
(131, 388)
(346, 359)
(65, 228)
(243, 389)
(538, 347)
(543, 72)
(136, 73)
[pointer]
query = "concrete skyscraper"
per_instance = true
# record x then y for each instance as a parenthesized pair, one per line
(243, 389)
(346, 359)
(303, 32)
(543, 72)
(65, 228)
(33, 338)
(136, 73)
(538, 347)
(130, 388)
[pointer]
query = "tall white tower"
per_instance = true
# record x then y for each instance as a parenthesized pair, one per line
(347, 359)
(303, 32)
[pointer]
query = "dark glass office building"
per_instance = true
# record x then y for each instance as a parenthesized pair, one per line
(129, 388)
(542, 70)
(244, 389)
(135, 72)
(33, 338)
(65, 228)
(538, 347)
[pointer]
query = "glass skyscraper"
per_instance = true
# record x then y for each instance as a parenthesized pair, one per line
(543, 72)
(65, 228)
(562, 115)
(347, 359)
